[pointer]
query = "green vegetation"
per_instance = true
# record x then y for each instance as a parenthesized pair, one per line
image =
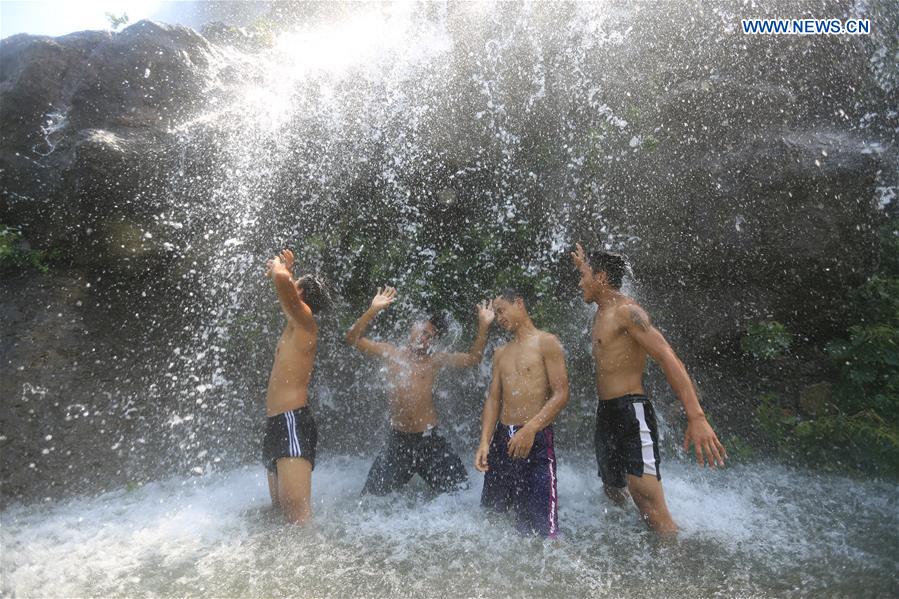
(457, 256)
(650, 142)
(766, 340)
(859, 428)
(16, 256)
(117, 21)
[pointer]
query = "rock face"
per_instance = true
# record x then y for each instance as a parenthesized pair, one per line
(86, 141)
(86, 149)
(739, 173)
(65, 388)
(779, 228)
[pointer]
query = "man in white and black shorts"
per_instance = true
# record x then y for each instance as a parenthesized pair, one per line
(626, 440)
(291, 434)
(627, 447)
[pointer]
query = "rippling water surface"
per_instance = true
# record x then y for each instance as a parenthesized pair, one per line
(755, 530)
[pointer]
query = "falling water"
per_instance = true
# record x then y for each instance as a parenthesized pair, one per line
(394, 144)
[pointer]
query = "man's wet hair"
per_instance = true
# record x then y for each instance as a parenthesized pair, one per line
(611, 263)
(438, 320)
(316, 293)
(510, 294)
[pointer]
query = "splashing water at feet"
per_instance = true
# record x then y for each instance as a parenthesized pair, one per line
(751, 530)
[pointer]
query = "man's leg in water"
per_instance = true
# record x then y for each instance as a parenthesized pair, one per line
(609, 459)
(391, 469)
(439, 465)
(618, 495)
(647, 493)
(295, 488)
(611, 471)
(273, 486)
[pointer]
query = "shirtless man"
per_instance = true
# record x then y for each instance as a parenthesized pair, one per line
(413, 443)
(288, 448)
(626, 439)
(529, 388)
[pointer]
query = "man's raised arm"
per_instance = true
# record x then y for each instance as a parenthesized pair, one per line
(354, 336)
(279, 270)
(705, 442)
(474, 355)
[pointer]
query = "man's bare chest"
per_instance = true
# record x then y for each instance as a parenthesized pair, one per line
(606, 335)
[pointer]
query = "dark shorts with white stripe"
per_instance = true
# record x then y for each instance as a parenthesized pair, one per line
(526, 486)
(427, 454)
(289, 435)
(627, 439)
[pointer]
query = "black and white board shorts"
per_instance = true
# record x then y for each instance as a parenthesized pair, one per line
(627, 439)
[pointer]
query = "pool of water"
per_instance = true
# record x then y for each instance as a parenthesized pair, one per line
(753, 530)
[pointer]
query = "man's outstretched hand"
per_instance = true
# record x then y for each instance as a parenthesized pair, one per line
(272, 265)
(705, 443)
(384, 298)
(579, 257)
(485, 313)
(288, 259)
(284, 261)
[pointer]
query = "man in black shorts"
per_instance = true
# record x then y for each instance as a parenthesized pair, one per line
(627, 447)
(413, 442)
(288, 448)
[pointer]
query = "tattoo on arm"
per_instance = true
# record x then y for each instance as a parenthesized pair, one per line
(638, 318)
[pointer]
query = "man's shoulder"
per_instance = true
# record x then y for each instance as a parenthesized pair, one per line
(500, 351)
(301, 334)
(627, 306)
(547, 340)
(546, 336)
(396, 353)
(631, 312)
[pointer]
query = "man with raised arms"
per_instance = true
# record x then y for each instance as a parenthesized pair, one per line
(528, 389)
(413, 443)
(626, 438)
(288, 448)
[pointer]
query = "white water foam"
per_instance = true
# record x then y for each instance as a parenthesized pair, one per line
(747, 530)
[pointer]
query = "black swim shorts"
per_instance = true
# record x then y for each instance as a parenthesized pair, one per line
(289, 435)
(627, 439)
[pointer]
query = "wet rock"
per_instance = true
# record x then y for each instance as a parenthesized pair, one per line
(86, 133)
(764, 231)
(37, 76)
(61, 350)
(150, 74)
(223, 34)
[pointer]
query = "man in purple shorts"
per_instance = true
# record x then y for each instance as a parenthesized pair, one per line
(529, 388)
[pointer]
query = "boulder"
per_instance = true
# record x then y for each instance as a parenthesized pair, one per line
(87, 133)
